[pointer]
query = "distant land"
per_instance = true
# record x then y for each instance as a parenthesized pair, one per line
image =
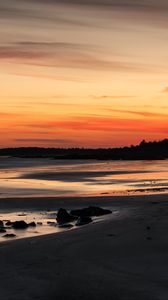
(144, 151)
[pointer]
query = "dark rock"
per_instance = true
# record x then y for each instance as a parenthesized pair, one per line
(20, 225)
(22, 215)
(2, 230)
(64, 217)
(9, 223)
(1, 224)
(39, 223)
(83, 221)
(90, 211)
(9, 235)
(68, 226)
(32, 224)
(51, 223)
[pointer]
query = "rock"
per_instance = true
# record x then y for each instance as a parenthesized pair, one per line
(68, 226)
(39, 223)
(20, 225)
(9, 223)
(1, 224)
(2, 230)
(90, 211)
(83, 221)
(22, 215)
(32, 224)
(64, 217)
(51, 223)
(9, 235)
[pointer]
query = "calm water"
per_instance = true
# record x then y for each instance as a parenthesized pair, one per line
(43, 177)
(45, 224)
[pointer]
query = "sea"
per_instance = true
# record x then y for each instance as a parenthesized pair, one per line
(26, 177)
(33, 177)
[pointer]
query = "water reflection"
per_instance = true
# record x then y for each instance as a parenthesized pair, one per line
(42, 220)
(43, 177)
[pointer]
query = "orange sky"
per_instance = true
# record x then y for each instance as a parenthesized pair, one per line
(83, 73)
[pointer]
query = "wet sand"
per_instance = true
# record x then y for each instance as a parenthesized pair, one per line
(53, 203)
(124, 257)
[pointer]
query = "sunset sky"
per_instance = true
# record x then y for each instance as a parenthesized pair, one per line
(80, 73)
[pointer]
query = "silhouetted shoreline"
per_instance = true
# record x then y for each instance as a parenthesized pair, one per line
(144, 151)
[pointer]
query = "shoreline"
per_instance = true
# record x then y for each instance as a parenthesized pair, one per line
(49, 203)
(40, 209)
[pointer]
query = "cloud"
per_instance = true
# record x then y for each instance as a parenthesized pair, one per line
(51, 19)
(47, 10)
(50, 45)
(101, 124)
(124, 4)
(103, 97)
(9, 114)
(9, 53)
(42, 140)
(36, 12)
(64, 55)
(56, 104)
(139, 113)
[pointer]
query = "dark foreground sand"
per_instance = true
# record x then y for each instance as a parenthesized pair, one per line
(122, 258)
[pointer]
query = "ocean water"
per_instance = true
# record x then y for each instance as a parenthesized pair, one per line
(49, 177)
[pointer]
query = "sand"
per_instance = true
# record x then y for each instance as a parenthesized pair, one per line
(124, 257)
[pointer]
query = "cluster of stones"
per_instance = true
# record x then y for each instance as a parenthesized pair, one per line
(15, 225)
(80, 216)
(64, 219)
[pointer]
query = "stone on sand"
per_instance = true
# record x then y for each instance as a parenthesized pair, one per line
(83, 221)
(90, 211)
(1, 224)
(32, 224)
(20, 225)
(9, 235)
(64, 217)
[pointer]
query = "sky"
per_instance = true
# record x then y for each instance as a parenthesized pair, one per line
(80, 73)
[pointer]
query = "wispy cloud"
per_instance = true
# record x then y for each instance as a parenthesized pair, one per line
(103, 97)
(100, 123)
(10, 114)
(65, 55)
(145, 114)
(53, 19)
(42, 140)
(36, 11)
(126, 4)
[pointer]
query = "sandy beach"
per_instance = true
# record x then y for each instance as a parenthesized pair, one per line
(123, 257)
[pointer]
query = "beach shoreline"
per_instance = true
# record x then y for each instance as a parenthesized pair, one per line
(54, 203)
